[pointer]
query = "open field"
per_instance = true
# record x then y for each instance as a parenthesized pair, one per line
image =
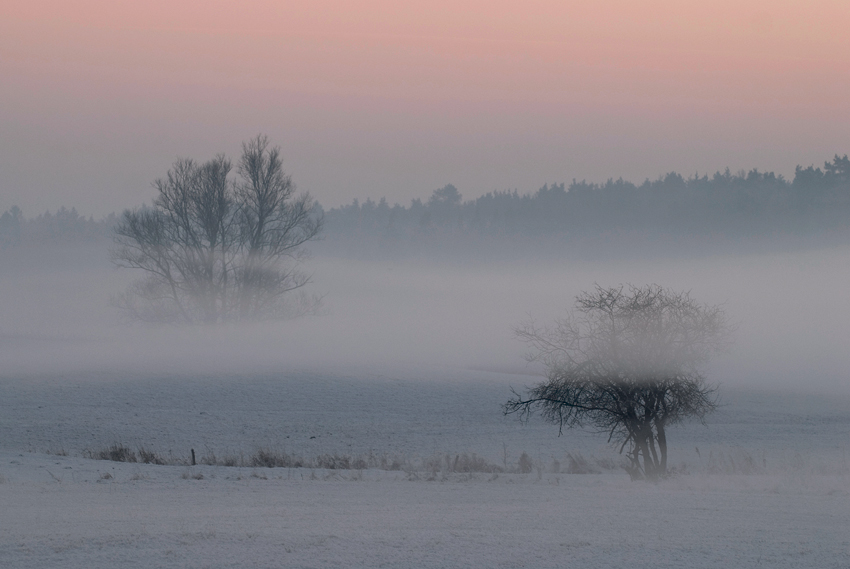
(59, 512)
(769, 487)
(402, 376)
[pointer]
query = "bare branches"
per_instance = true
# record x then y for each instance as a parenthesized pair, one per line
(274, 223)
(626, 362)
(214, 249)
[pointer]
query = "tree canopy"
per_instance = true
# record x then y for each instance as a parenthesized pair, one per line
(627, 361)
(215, 249)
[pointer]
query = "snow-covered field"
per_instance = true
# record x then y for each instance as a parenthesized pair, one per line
(58, 512)
(791, 510)
(410, 363)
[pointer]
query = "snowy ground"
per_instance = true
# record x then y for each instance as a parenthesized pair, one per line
(59, 512)
(411, 362)
(68, 511)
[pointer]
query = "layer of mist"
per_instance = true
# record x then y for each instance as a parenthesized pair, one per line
(789, 308)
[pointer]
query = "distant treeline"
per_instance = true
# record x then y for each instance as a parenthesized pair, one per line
(672, 214)
(65, 226)
(669, 214)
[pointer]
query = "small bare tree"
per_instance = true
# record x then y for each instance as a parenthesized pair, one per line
(214, 249)
(627, 361)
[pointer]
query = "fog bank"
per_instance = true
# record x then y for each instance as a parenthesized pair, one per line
(792, 316)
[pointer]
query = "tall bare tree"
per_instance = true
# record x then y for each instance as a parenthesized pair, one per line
(627, 361)
(215, 249)
(274, 223)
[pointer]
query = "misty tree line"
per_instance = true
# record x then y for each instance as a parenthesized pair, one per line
(66, 225)
(723, 206)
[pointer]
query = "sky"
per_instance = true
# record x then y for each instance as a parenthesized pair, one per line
(375, 98)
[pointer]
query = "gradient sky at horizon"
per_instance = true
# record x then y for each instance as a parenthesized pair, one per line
(375, 98)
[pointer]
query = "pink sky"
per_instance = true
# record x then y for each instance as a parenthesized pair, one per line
(379, 98)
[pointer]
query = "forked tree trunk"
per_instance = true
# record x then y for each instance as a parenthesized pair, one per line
(642, 448)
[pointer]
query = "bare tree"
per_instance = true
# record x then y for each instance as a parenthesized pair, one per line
(627, 361)
(274, 223)
(214, 249)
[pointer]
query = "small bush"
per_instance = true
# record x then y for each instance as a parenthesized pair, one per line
(264, 458)
(149, 457)
(230, 461)
(271, 459)
(393, 463)
(333, 462)
(463, 463)
(473, 463)
(433, 464)
(115, 453)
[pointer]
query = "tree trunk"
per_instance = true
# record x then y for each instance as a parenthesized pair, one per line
(662, 446)
(643, 448)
